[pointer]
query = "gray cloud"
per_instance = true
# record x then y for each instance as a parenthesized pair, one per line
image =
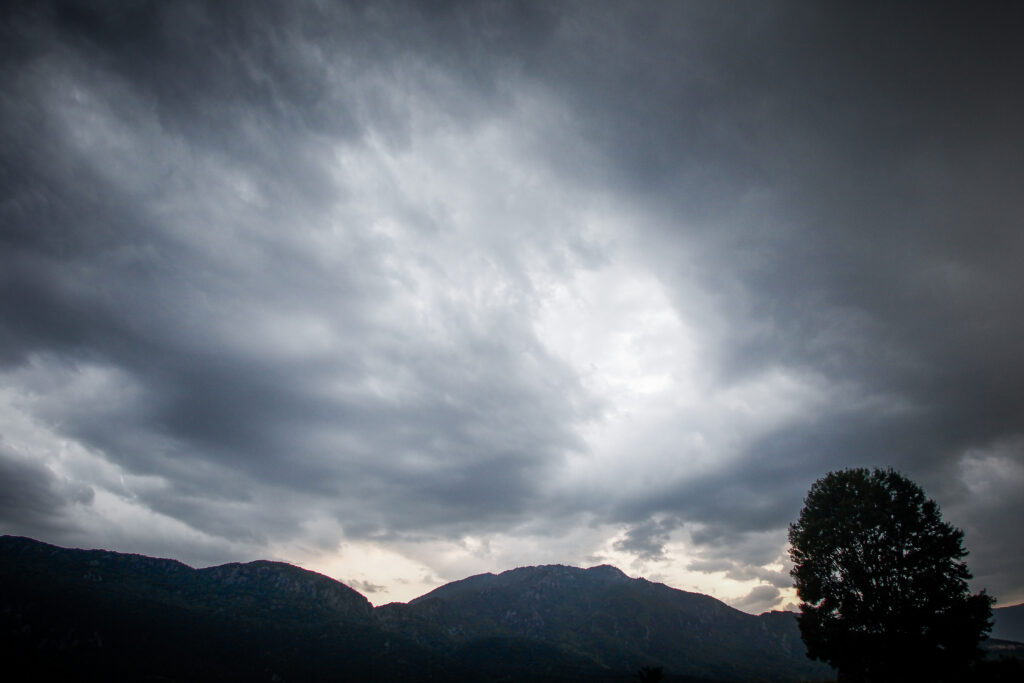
(27, 493)
(647, 540)
(288, 264)
(164, 271)
(740, 572)
(844, 179)
(759, 599)
(33, 499)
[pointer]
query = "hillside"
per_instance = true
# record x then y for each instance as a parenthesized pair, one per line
(82, 615)
(98, 615)
(1008, 623)
(605, 616)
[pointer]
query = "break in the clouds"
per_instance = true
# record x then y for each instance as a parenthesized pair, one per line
(405, 292)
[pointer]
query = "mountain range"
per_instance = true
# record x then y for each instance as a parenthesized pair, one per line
(1009, 623)
(94, 614)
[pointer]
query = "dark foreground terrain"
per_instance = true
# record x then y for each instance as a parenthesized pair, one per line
(97, 615)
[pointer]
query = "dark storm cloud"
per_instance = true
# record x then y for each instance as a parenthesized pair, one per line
(860, 165)
(32, 498)
(365, 586)
(848, 177)
(759, 599)
(647, 539)
(127, 248)
(191, 287)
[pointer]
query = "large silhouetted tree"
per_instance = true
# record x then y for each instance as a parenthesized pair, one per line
(882, 582)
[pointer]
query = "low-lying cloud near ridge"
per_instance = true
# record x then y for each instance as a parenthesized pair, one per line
(411, 291)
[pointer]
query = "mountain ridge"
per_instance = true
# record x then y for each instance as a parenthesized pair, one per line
(619, 622)
(115, 615)
(1009, 623)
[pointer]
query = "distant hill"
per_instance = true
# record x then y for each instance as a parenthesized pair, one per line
(1009, 623)
(81, 615)
(95, 615)
(602, 615)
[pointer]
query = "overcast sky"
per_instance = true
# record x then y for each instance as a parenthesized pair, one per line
(406, 292)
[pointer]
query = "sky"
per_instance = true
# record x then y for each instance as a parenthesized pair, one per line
(405, 292)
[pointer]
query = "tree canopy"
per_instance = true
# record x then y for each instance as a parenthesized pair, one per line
(882, 582)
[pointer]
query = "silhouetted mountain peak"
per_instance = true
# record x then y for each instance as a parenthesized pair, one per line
(617, 622)
(127, 616)
(269, 581)
(264, 586)
(1009, 623)
(606, 571)
(541, 577)
(93, 615)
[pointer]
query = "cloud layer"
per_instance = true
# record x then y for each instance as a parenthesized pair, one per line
(433, 289)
